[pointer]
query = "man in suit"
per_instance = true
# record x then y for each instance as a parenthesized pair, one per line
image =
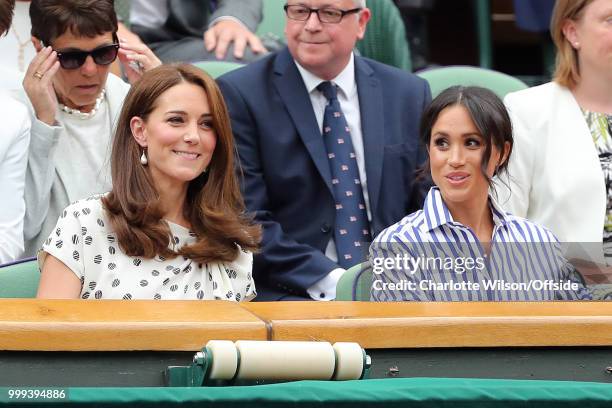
(281, 105)
(196, 30)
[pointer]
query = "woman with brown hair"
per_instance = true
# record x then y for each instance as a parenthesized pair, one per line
(173, 226)
(562, 168)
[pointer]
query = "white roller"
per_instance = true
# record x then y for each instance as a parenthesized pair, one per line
(224, 359)
(285, 360)
(349, 361)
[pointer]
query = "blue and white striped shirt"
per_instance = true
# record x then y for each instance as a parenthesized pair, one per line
(429, 256)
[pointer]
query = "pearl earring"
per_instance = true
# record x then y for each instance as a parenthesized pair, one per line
(143, 159)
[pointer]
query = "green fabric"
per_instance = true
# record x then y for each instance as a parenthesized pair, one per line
(385, 37)
(273, 22)
(408, 392)
(217, 68)
(122, 8)
(441, 78)
(19, 280)
(355, 281)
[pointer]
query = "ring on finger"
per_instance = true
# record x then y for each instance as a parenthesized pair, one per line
(38, 75)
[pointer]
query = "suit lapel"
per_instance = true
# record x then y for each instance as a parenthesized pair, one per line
(372, 126)
(291, 88)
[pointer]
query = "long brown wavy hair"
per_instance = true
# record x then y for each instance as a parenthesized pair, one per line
(213, 206)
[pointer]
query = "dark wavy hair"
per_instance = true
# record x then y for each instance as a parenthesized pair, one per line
(214, 205)
(489, 115)
(6, 15)
(87, 18)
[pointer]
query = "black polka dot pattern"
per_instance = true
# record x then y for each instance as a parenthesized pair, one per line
(83, 240)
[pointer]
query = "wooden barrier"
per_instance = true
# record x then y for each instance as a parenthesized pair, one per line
(441, 324)
(73, 325)
(112, 325)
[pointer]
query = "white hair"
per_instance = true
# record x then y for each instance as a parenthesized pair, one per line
(360, 3)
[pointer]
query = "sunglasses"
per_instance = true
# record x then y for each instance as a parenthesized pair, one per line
(103, 55)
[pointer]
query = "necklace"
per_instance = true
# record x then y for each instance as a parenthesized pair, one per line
(85, 115)
(21, 52)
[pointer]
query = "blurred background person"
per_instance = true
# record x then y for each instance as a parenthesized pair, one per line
(173, 225)
(73, 105)
(14, 140)
(561, 172)
(16, 47)
(195, 30)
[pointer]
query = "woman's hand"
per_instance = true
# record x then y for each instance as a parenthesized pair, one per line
(38, 84)
(136, 59)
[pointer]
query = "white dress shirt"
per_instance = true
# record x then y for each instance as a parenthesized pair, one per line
(325, 289)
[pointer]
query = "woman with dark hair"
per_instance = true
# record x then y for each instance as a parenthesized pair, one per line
(74, 103)
(173, 226)
(461, 245)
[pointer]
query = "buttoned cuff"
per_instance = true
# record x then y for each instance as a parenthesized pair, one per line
(325, 289)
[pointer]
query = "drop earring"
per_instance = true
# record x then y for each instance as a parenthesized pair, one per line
(143, 158)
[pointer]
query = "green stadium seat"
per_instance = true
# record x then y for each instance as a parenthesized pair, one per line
(19, 279)
(273, 22)
(385, 37)
(355, 283)
(441, 78)
(217, 68)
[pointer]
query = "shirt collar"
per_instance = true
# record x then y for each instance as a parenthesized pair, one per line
(345, 80)
(437, 214)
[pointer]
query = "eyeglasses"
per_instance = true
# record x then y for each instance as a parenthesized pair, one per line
(103, 55)
(325, 14)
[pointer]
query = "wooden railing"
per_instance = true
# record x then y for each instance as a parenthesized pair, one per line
(74, 325)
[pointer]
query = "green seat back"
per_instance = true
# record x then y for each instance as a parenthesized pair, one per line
(355, 284)
(217, 68)
(441, 78)
(273, 22)
(385, 37)
(122, 9)
(19, 280)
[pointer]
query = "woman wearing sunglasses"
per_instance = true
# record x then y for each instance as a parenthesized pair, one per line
(74, 102)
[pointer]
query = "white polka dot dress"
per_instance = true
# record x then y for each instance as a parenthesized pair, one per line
(83, 241)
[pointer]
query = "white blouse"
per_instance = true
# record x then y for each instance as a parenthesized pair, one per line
(84, 242)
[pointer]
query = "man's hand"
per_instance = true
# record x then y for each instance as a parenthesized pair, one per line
(224, 32)
(38, 84)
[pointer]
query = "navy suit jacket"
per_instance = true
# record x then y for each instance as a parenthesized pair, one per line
(286, 178)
